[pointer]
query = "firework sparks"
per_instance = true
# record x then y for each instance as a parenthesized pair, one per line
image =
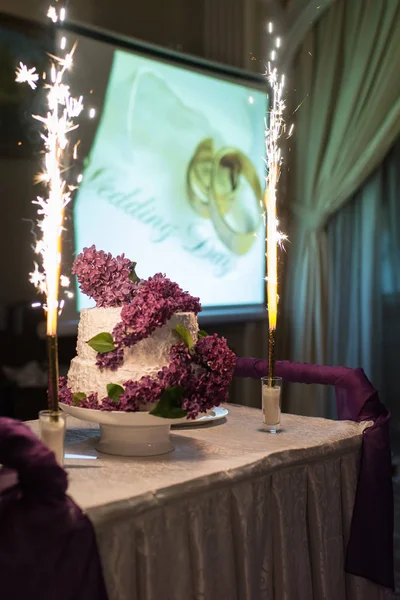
(273, 134)
(57, 124)
(56, 13)
(275, 239)
(25, 75)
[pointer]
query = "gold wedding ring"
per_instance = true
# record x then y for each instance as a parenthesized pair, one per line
(213, 181)
(238, 165)
(199, 177)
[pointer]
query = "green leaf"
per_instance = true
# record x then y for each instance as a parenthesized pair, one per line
(77, 397)
(168, 405)
(114, 391)
(133, 277)
(185, 335)
(202, 334)
(102, 342)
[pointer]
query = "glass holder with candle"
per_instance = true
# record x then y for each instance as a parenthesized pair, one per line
(271, 394)
(52, 432)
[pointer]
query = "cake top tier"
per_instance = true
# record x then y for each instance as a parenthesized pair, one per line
(112, 282)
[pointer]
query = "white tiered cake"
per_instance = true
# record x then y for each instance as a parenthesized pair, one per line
(147, 357)
(135, 384)
(140, 350)
(142, 363)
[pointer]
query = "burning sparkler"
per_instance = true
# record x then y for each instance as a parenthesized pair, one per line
(25, 75)
(273, 133)
(57, 123)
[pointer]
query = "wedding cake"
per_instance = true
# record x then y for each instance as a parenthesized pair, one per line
(140, 348)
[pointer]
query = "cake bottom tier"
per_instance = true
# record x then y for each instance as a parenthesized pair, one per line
(86, 377)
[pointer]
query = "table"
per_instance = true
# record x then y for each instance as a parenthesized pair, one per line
(234, 513)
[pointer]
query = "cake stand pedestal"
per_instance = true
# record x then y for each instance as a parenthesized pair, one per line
(128, 433)
(134, 441)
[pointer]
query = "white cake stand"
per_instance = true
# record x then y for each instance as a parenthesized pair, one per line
(128, 433)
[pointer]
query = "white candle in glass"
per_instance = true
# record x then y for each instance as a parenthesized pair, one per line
(271, 403)
(52, 433)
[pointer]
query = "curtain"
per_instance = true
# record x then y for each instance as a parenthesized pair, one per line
(300, 16)
(347, 83)
(364, 286)
(355, 311)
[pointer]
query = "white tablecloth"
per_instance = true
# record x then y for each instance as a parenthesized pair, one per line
(234, 513)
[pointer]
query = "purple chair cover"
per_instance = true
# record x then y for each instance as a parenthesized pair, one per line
(370, 551)
(47, 546)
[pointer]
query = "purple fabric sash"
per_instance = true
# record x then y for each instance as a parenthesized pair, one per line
(370, 551)
(47, 545)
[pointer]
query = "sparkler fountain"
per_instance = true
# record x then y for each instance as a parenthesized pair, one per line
(58, 123)
(271, 386)
(273, 134)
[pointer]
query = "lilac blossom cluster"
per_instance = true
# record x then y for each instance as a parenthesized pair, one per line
(217, 363)
(155, 301)
(103, 277)
(66, 396)
(204, 374)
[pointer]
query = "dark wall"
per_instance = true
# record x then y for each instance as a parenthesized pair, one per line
(230, 31)
(175, 24)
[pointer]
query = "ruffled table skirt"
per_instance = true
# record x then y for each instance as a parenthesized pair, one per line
(232, 514)
(277, 536)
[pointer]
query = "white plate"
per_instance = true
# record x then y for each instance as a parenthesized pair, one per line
(117, 418)
(214, 415)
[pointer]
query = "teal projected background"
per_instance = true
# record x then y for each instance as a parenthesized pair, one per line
(175, 178)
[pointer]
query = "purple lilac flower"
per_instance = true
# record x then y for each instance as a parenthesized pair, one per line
(180, 370)
(110, 360)
(213, 352)
(212, 384)
(64, 393)
(66, 397)
(139, 393)
(104, 278)
(165, 289)
(156, 300)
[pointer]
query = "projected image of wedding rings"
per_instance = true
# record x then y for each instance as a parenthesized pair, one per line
(217, 190)
(175, 179)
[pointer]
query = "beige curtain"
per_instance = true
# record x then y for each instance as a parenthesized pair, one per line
(347, 79)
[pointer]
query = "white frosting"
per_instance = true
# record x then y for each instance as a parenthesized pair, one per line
(144, 358)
